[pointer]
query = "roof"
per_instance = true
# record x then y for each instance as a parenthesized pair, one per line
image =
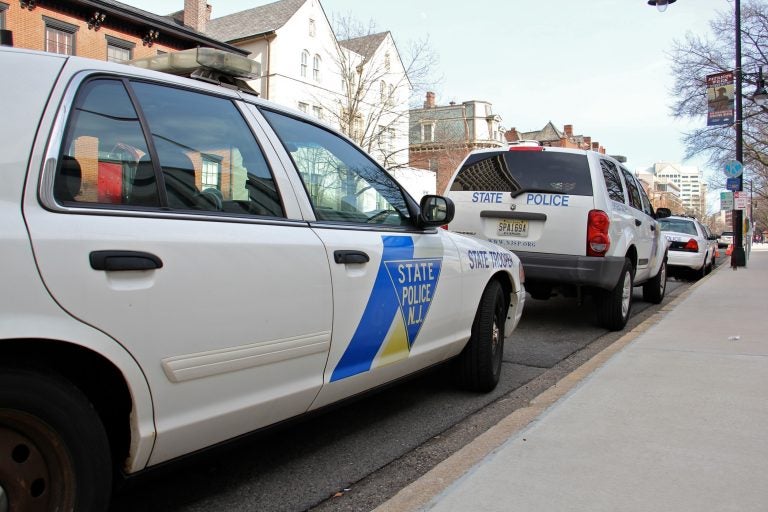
(259, 20)
(166, 24)
(548, 133)
(365, 45)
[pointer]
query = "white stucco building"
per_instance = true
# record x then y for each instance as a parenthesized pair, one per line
(690, 182)
(358, 86)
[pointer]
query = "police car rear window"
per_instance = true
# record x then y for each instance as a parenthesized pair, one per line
(525, 171)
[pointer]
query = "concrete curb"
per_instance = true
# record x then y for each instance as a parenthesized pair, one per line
(419, 494)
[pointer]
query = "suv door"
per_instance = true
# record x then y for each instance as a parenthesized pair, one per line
(165, 227)
(386, 273)
(646, 232)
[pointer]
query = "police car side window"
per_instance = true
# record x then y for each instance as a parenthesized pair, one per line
(612, 181)
(343, 184)
(101, 159)
(209, 158)
(634, 193)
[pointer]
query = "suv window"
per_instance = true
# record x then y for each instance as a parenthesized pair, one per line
(634, 193)
(202, 155)
(612, 181)
(524, 171)
(343, 183)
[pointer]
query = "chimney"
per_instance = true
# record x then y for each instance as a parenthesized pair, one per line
(588, 142)
(511, 135)
(596, 146)
(430, 103)
(196, 14)
(568, 129)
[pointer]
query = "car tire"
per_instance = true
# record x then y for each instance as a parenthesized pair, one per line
(614, 306)
(54, 451)
(654, 290)
(479, 364)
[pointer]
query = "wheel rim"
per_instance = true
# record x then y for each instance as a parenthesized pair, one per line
(36, 472)
(663, 277)
(497, 338)
(626, 294)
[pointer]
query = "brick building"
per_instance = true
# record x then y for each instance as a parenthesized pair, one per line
(551, 136)
(104, 29)
(441, 136)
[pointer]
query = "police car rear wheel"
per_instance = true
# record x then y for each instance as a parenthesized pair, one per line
(479, 365)
(613, 306)
(54, 453)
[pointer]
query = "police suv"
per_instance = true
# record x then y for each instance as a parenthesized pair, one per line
(184, 263)
(578, 220)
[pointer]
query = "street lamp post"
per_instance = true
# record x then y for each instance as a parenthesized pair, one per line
(738, 258)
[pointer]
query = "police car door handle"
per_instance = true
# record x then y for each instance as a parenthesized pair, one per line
(638, 222)
(124, 260)
(350, 257)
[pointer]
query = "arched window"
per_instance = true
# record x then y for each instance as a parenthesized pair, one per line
(304, 59)
(316, 68)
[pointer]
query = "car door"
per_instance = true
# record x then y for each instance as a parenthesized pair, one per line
(396, 288)
(167, 228)
(646, 234)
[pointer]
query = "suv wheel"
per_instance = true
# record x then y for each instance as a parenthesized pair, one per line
(653, 290)
(613, 306)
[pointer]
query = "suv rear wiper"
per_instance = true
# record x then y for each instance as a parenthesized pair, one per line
(521, 191)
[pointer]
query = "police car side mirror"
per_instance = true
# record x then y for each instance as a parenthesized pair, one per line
(663, 213)
(435, 211)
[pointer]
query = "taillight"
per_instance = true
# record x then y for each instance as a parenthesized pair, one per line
(598, 240)
(691, 246)
(444, 226)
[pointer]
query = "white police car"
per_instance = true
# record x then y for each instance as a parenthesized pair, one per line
(691, 246)
(184, 263)
(578, 220)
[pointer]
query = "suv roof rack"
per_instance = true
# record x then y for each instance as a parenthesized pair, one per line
(206, 64)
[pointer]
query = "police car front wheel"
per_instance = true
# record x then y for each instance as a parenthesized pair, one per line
(479, 364)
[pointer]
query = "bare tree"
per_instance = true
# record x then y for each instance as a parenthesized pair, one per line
(377, 87)
(697, 56)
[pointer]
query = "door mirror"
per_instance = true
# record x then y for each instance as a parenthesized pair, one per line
(662, 213)
(435, 211)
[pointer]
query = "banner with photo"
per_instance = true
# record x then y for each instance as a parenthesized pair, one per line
(720, 93)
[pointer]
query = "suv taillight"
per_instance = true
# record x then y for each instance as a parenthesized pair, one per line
(598, 240)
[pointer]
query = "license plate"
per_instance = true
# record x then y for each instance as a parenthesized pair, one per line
(512, 227)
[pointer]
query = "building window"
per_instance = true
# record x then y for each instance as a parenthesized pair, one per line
(427, 132)
(3, 7)
(304, 59)
(59, 36)
(386, 61)
(211, 177)
(304, 107)
(118, 50)
(316, 68)
(312, 29)
(432, 164)
(383, 91)
(317, 111)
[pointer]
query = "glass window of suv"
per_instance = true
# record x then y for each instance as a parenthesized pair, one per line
(553, 172)
(612, 180)
(342, 182)
(635, 199)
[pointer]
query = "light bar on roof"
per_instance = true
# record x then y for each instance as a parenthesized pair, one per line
(187, 61)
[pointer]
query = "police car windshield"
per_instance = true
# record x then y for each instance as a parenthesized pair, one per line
(525, 171)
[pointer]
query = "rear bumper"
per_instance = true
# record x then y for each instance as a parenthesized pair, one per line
(557, 269)
(691, 260)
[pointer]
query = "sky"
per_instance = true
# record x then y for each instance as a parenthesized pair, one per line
(599, 65)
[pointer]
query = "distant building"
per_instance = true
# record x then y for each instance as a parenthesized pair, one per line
(690, 181)
(662, 192)
(551, 136)
(105, 29)
(441, 136)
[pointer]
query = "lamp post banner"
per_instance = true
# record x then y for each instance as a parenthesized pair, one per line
(720, 93)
